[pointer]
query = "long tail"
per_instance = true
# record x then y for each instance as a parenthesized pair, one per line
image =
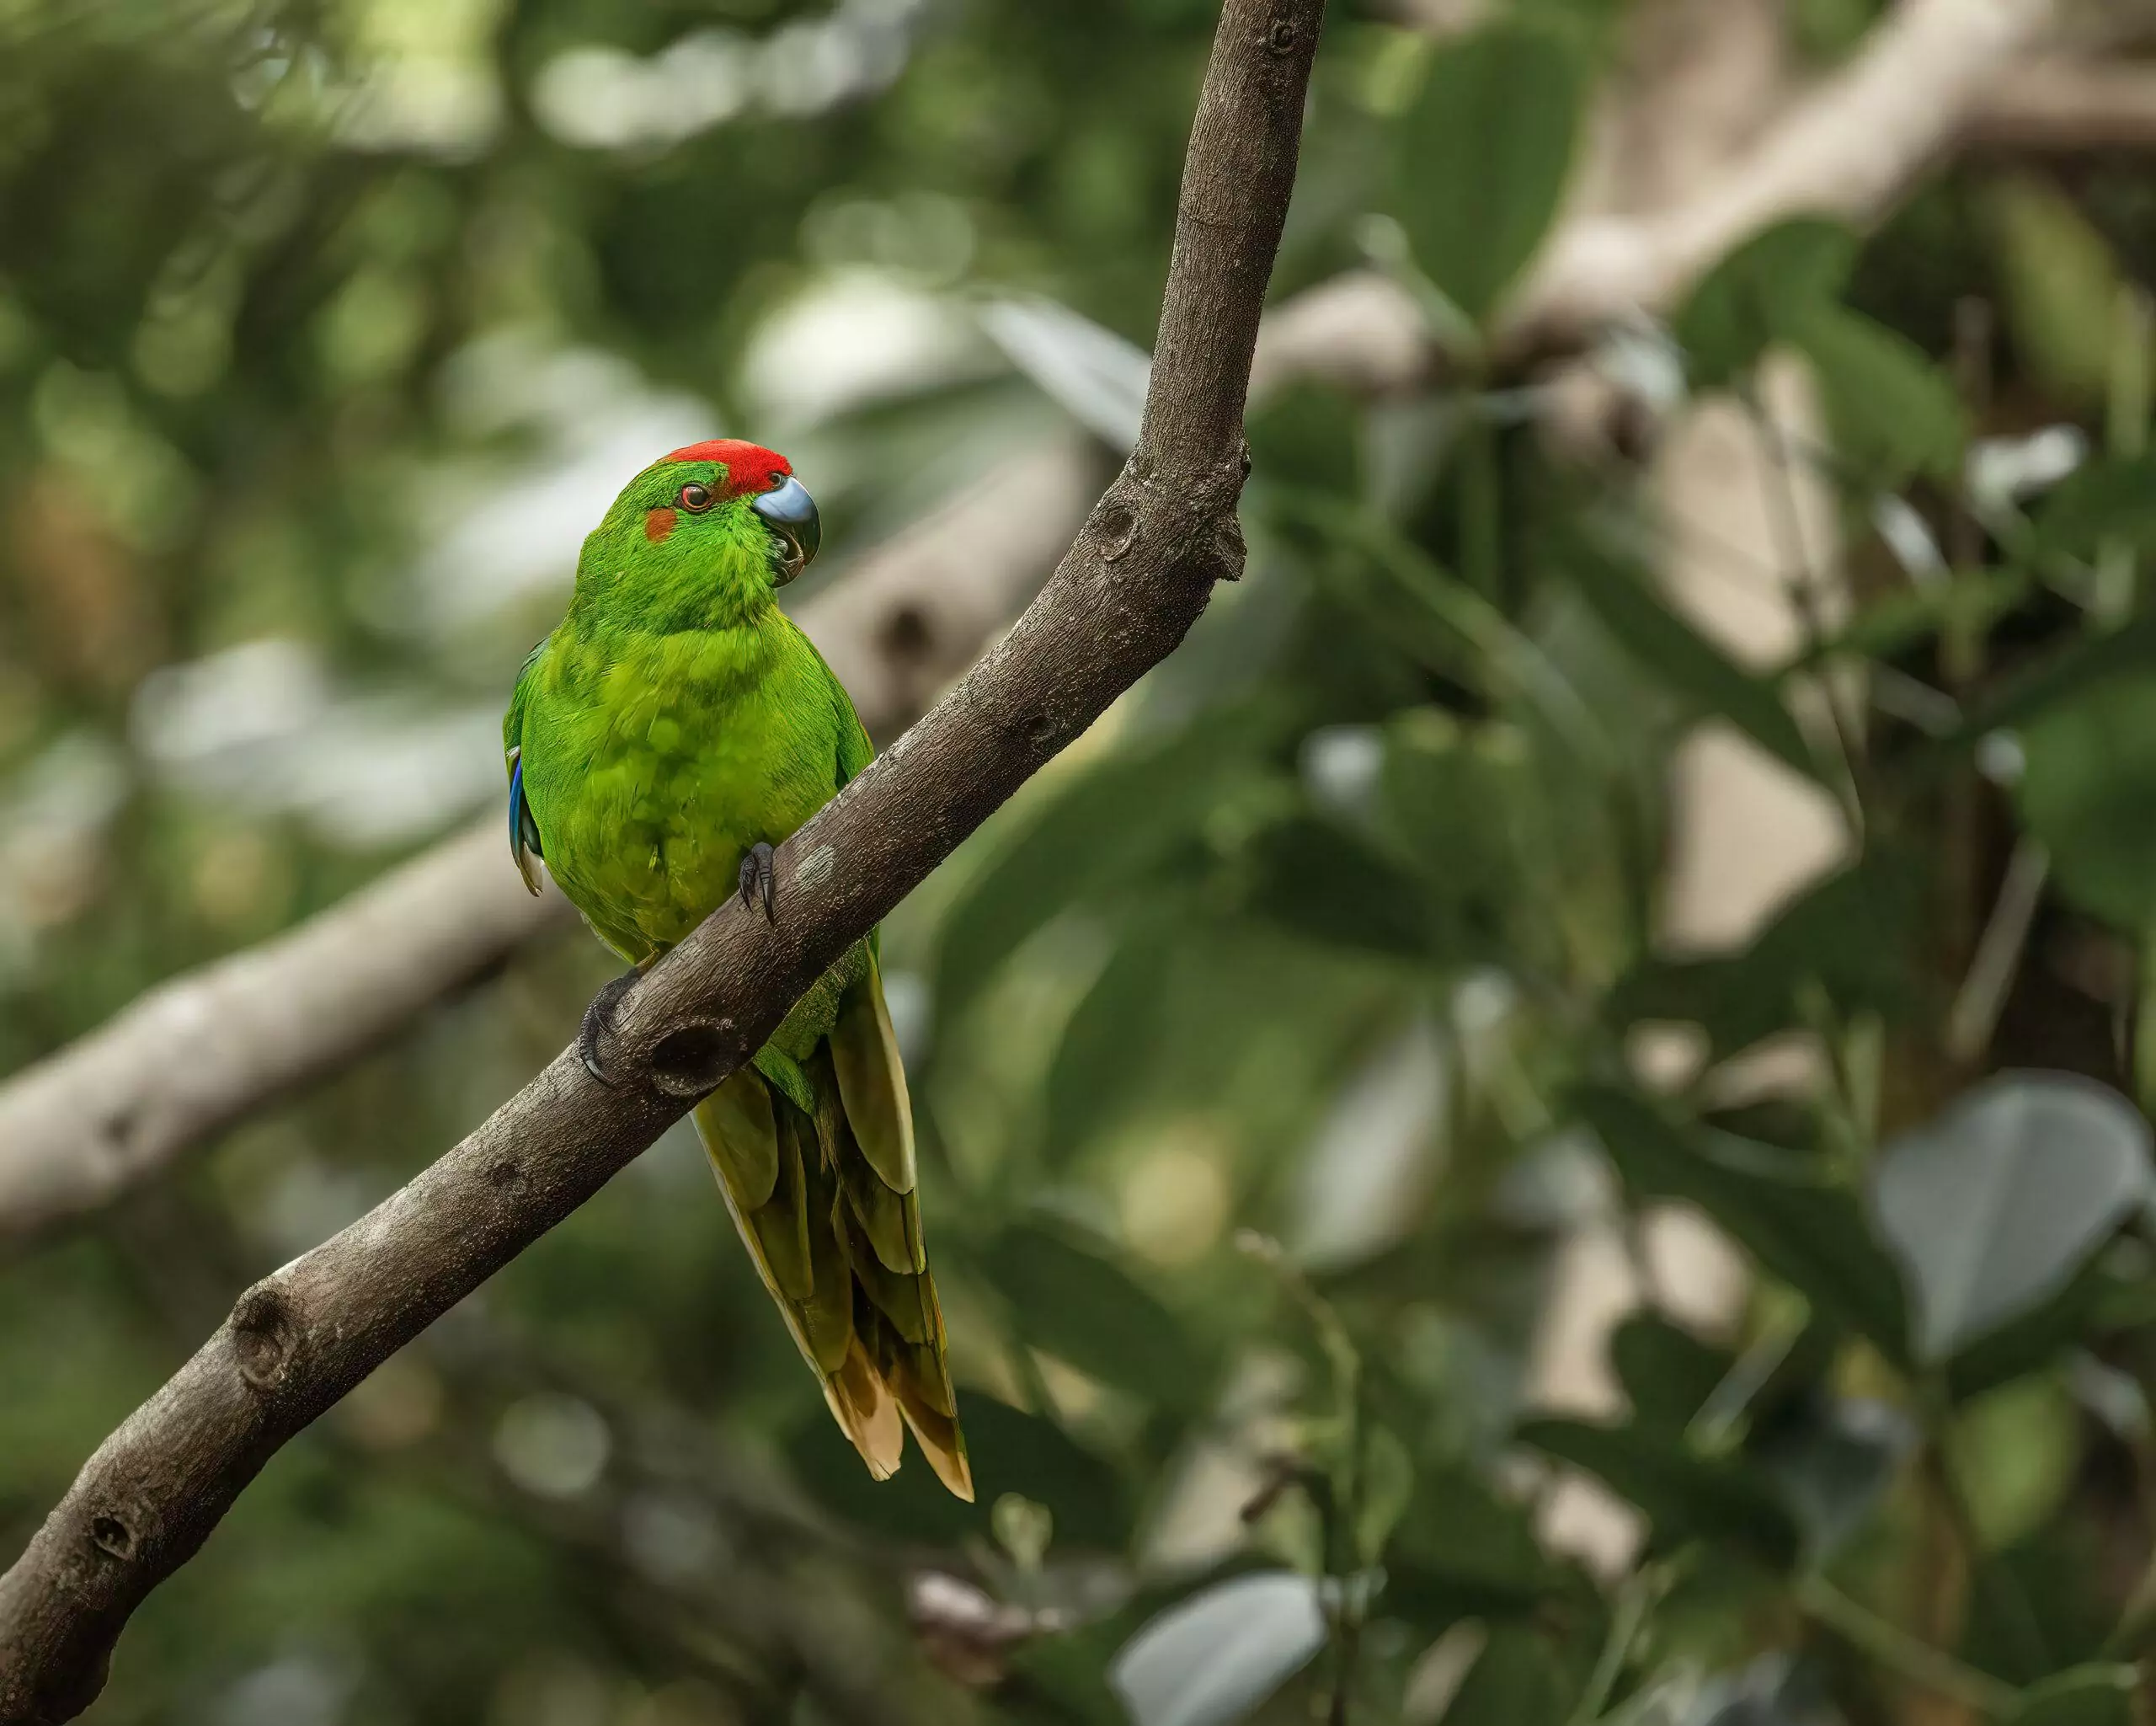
(825, 1202)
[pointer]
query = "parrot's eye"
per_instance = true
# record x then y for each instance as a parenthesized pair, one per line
(779, 479)
(696, 499)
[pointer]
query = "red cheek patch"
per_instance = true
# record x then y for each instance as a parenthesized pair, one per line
(657, 524)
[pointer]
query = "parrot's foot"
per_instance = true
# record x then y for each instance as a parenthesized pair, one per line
(598, 1018)
(760, 881)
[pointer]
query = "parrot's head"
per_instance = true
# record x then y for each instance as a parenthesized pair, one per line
(724, 511)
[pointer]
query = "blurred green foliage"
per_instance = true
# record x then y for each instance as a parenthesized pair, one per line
(1272, 1054)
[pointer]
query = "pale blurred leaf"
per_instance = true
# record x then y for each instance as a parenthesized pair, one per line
(1091, 372)
(1214, 1657)
(1996, 1204)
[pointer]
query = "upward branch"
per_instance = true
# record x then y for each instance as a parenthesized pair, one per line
(1132, 584)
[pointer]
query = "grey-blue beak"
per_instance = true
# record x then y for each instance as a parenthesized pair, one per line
(792, 513)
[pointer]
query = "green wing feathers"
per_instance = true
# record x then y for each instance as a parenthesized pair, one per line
(825, 1202)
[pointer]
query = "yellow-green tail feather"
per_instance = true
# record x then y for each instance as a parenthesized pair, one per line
(828, 1209)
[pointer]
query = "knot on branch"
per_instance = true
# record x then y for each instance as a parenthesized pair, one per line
(1223, 558)
(689, 1062)
(111, 1535)
(265, 1333)
(1212, 491)
(1163, 510)
(117, 1128)
(1118, 527)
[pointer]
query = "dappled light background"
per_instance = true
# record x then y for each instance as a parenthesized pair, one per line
(1543, 1126)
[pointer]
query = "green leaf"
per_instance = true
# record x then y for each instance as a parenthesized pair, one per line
(1669, 647)
(1811, 1235)
(1833, 1462)
(1518, 1680)
(1388, 1486)
(1894, 414)
(1109, 1036)
(2110, 501)
(2099, 1695)
(1483, 157)
(1328, 885)
(1763, 293)
(1214, 1657)
(1667, 1372)
(1895, 623)
(1854, 935)
(1685, 1496)
(2015, 1450)
(1993, 1207)
(2088, 791)
(1112, 823)
(2097, 1301)
(1062, 1680)
(2062, 281)
(1453, 630)
(1072, 1299)
(1460, 1552)
(1446, 799)
(2061, 675)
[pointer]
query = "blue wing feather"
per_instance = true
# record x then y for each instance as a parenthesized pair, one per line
(523, 829)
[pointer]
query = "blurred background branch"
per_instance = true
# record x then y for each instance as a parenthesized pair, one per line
(2068, 105)
(1936, 75)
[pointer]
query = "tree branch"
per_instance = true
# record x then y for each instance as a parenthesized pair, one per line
(1851, 149)
(1925, 81)
(1124, 596)
(194, 1055)
(203, 1051)
(2063, 106)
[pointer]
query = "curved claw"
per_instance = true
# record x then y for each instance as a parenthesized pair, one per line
(598, 1020)
(760, 880)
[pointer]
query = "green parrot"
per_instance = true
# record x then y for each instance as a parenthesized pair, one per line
(674, 726)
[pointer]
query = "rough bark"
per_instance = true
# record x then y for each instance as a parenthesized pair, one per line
(1124, 596)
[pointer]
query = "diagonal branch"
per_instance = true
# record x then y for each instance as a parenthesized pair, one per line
(209, 1048)
(1132, 585)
